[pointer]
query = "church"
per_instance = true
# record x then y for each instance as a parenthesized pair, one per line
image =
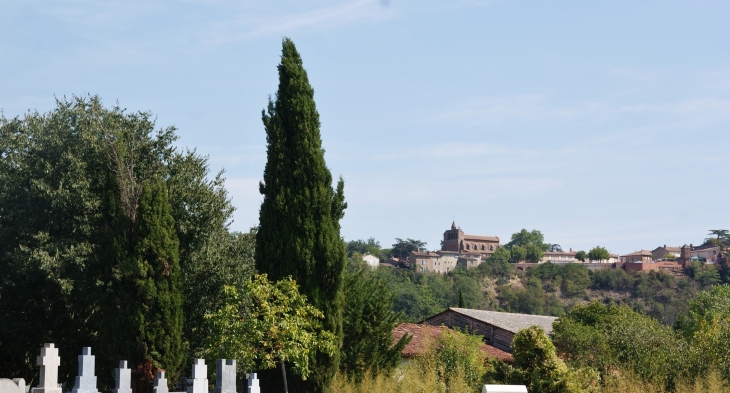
(456, 241)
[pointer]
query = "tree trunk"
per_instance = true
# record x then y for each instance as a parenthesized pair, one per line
(283, 375)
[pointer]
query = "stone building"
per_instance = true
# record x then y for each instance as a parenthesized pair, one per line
(456, 240)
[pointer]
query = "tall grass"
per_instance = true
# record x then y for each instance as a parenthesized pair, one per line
(414, 378)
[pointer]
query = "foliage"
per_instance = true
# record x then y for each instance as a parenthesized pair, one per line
(598, 253)
(524, 238)
(269, 324)
(607, 338)
(299, 220)
(402, 248)
(719, 237)
(370, 246)
(456, 355)
(143, 306)
(581, 256)
(368, 325)
(536, 365)
(64, 177)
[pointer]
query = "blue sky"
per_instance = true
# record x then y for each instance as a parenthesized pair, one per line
(596, 123)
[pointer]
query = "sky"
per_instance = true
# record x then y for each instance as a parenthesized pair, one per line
(597, 123)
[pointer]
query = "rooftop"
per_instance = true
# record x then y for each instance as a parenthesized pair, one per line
(512, 322)
(422, 334)
(644, 253)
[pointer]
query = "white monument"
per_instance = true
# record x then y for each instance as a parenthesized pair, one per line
(49, 362)
(504, 389)
(16, 385)
(199, 382)
(86, 380)
(160, 383)
(123, 378)
(225, 376)
(253, 384)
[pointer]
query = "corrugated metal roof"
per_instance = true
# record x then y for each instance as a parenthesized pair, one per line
(512, 322)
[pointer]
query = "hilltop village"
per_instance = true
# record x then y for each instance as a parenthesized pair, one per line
(469, 251)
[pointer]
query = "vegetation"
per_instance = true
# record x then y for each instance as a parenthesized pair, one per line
(268, 325)
(368, 328)
(71, 184)
(144, 319)
(598, 253)
(299, 220)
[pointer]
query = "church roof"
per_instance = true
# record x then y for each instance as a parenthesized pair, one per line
(488, 238)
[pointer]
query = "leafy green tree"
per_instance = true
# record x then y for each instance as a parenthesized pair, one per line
(368, 328)
(533, 253)
(453, 355)
(64, 176)
(267, 326)
(525, 237)
(402, 248)
(144, 305)
(370, 246)
(462, 302)
(518, 254)
(537, 365)
(719, 237)
(299, 220)
(581, 256)
(598, 253)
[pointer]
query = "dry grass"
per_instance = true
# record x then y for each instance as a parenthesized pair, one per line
(414, 379)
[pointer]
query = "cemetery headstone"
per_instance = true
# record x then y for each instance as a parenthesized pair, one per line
(160, 383)
(199, 382)
(16, 385)
(504, 389)
(253, 384)
(123, 378)
(49, 362)
(86, 380)
(225, 376)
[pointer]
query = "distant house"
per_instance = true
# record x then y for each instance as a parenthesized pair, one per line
(432, 261)
(661, 252)
(371, 260)
(497, 328)
(705, 253)
(423, 335)
(643, 256)
(559, 256)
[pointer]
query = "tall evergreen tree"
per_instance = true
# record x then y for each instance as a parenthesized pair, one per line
(368, 326)
(144, 322)
(299, 229)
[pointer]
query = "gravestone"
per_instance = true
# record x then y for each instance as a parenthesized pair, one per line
(160, 383)
(253, 384)
(504, 389)
(199, 382)
(86, 380)
(16, 385)
(225, 376)
(123, 378)
(49, 362)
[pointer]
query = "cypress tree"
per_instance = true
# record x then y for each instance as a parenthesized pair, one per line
(143, 312)
(462, 302)
(299, 229)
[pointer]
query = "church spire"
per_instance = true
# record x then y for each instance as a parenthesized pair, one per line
(453, 224)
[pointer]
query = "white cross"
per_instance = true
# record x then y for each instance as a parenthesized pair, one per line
(49, 362)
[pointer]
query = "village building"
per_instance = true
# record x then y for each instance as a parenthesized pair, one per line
(457, 241)
(422, 337)
(707, 253)
(664, 251)
(643, 256)
(497, 328)
(371, 260)
(432, 261)
(559, 256)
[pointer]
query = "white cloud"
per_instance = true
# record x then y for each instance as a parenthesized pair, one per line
(345, 13)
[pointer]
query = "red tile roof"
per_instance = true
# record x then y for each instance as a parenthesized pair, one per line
(422, 334)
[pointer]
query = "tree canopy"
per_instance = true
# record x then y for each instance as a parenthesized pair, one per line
(299, 219)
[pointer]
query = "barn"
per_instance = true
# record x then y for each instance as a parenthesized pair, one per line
(497, 328)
